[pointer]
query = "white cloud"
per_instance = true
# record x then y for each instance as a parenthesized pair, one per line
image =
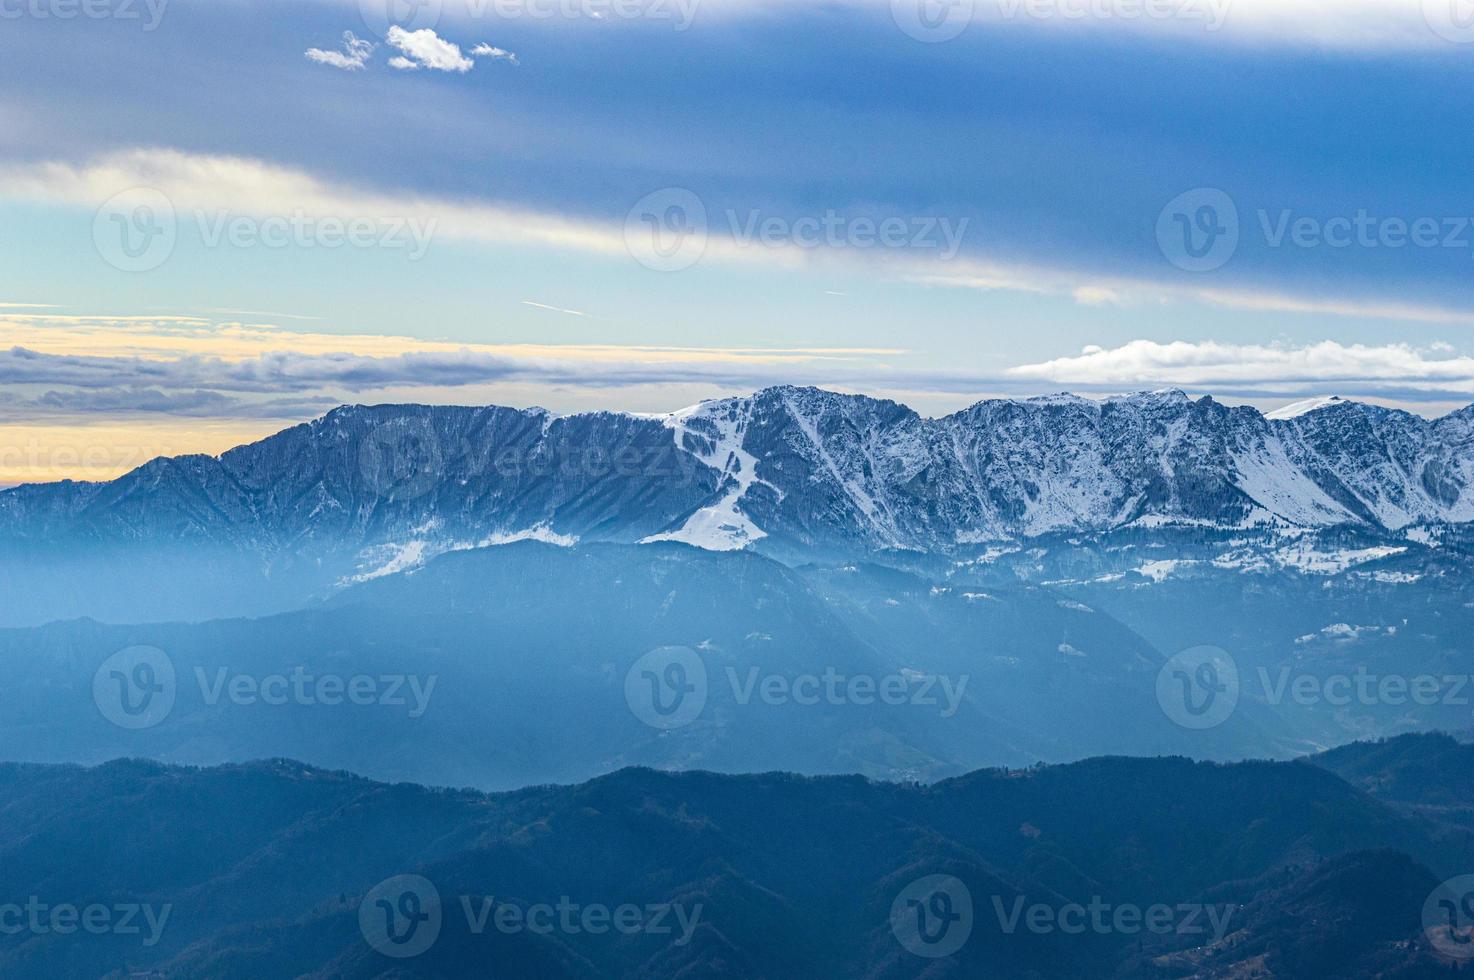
(1358, 369)
(353, 57)
(484, 50)
(403, 64)
(426, 49)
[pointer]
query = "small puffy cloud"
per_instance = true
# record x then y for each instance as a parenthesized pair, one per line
(403, 64)
(426, 49)
(484, 50)
(353, 57)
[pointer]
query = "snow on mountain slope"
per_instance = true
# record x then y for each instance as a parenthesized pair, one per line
(786, 467)
(714, 432)
(1297, 409)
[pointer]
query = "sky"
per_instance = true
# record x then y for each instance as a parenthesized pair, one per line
(222, 217)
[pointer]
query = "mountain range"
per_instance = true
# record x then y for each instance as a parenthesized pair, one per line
(1298, 870)
(795, 473)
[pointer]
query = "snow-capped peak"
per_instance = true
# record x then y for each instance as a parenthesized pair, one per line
(1305, 407)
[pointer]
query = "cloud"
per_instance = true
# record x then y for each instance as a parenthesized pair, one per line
(1341, 24)
(246, 186)
(484, 50)
(129, 402)
(1089, 289)
(426, 49)
(1388, 370)
(354, 56)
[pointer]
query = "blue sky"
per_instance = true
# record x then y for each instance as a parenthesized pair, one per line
(1025, 168)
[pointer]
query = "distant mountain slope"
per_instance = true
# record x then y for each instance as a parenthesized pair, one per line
(275, 869)
(535, 653)
(1410, 769)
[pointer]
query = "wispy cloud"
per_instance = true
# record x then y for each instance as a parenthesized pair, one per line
(268, 313)
(354, 56)
(485, 50)
(248, 186)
